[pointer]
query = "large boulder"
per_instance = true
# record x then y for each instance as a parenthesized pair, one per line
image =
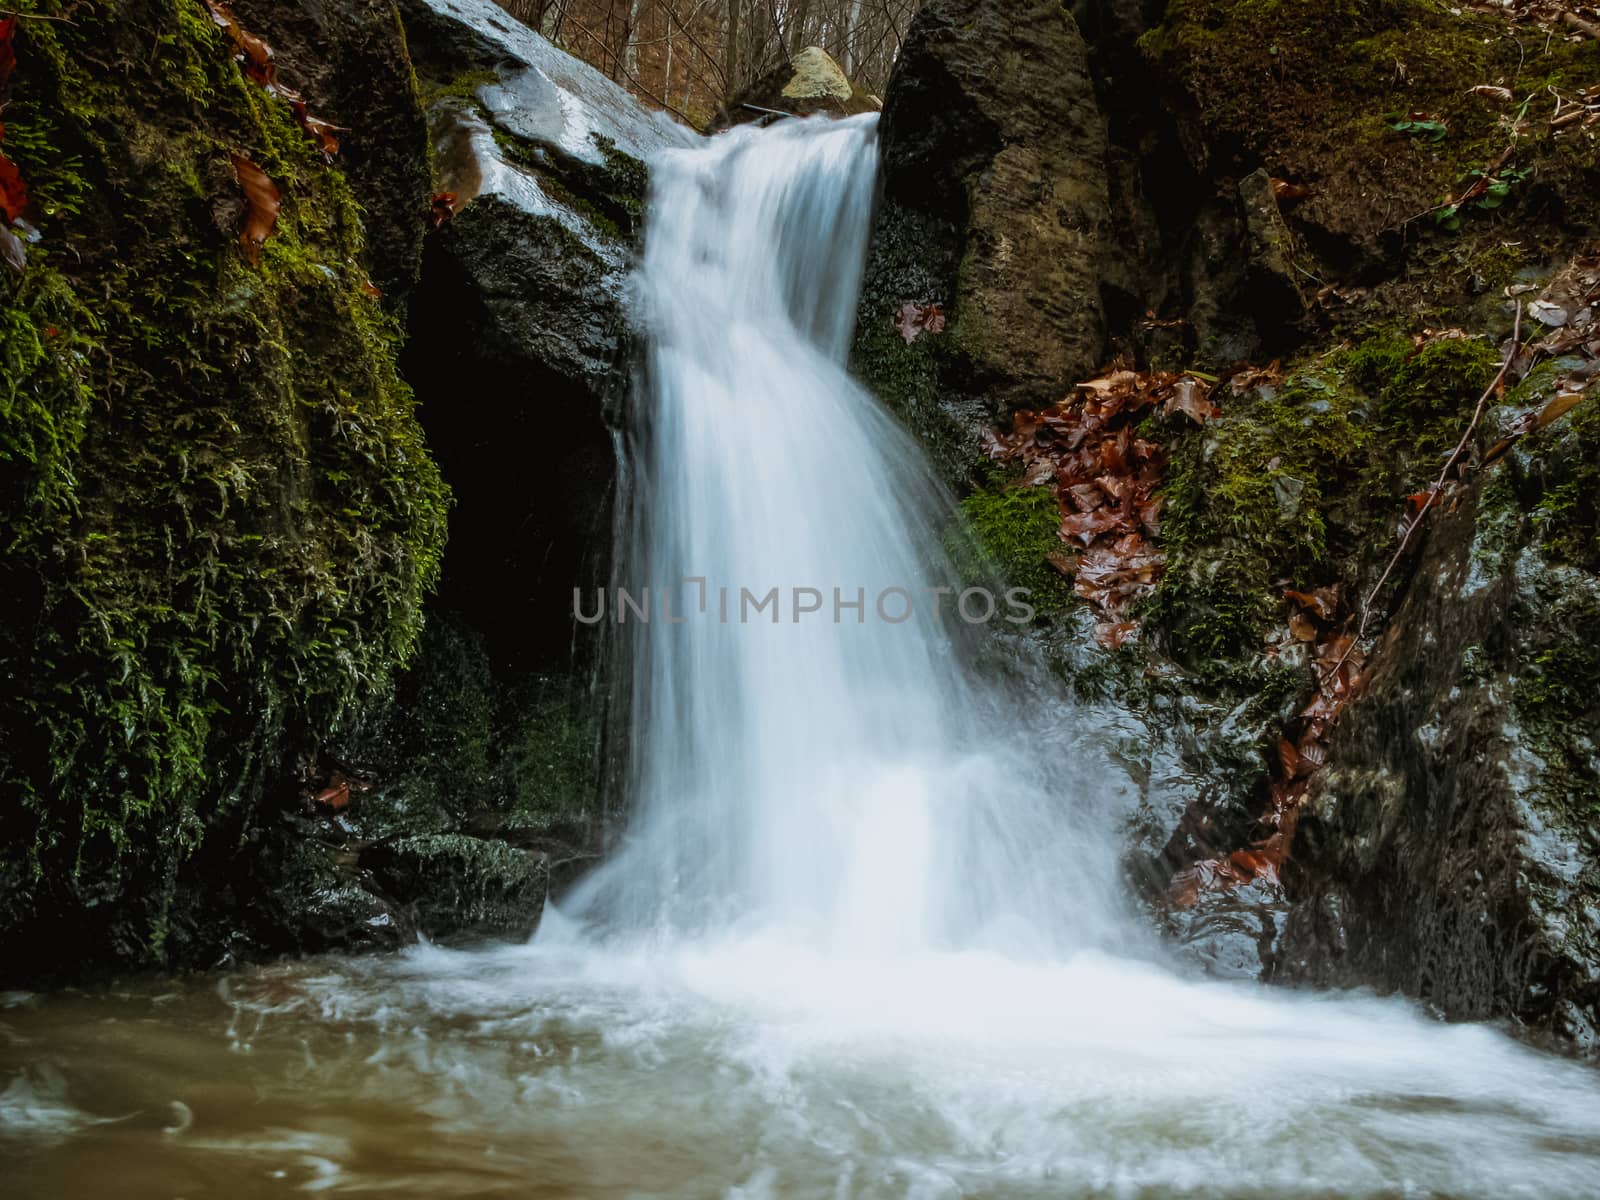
(1450, 851)
(519, 341)
(994, 208)
(806, 84)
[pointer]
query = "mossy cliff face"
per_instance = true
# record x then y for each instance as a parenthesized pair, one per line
(219, 511)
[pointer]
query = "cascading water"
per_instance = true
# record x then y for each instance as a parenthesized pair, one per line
(827, 771)
(854, 946)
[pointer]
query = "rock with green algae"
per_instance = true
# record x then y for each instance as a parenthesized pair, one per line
(543, 156)
(220, 515)
(1449, 851)
(453, 750)
(462, 886)
(350, 60)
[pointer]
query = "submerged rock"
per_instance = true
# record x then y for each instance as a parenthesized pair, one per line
(994, 206)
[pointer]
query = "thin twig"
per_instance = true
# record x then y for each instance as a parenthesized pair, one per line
(1436, 491)
(9, 12)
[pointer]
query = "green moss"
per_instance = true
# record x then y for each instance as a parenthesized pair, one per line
(452, 749)
(458, 883)
(464, 86)
(1313, 90)
(924, 381)
(1566, 466)
(1432, 392)
(222, 516)
(1302, 484)
(1248, 500)
(610, 196)
(1009, 531)
(547, 769)
(1556, 701)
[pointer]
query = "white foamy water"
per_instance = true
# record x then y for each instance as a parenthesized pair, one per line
(864, 938)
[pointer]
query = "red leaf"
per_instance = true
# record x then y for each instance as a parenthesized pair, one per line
(914, 319)
(1419, 501)
(1286, 193)
(1321, 602)
(13, 191)
(443, 208)
(335, 796)
(8, 53)
(1086, 496)
(1313, 755)
(1150, 515)
(319, 131)
(996, 445)
(1288, 758)
(1113, 635)
(364, 282)
(1085, 527)
(252, 52)
(1064, 563)
(1191, 399)
(261, 215)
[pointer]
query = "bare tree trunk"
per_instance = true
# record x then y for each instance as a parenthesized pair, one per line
(666, 76)
(850, 37)
(730, 51)
(796, 31)
(630, 50)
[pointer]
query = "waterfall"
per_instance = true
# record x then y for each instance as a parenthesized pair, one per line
(859, 941)
(819, 759)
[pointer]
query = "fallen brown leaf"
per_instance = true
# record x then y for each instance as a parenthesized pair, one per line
(263, 203)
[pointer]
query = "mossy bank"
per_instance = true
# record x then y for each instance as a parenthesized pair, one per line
(221, 517)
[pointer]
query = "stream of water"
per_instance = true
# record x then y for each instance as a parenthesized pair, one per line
(863, 938)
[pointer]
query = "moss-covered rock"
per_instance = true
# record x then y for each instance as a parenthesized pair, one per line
(1299, 483)
(220, 515)
(453, 749)
(1369, 107)
(351, 60)
(1449, 851)
(1010, 532)
(519, 342)
(462, 886)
